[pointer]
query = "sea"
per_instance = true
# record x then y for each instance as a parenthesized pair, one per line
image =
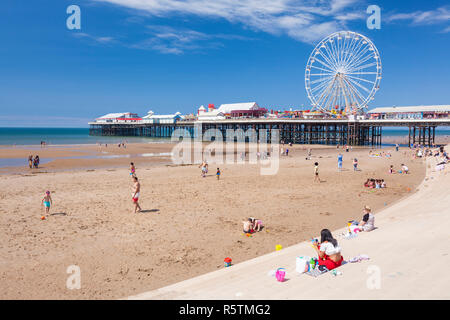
(80, 136)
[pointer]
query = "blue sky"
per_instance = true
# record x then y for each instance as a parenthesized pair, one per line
(168, 56)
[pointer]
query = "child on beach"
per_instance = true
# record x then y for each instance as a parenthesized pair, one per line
(257, 224)
(132, 170)
(328, 250)
(391, 169)
(340, 158)
(47, 202)
(204, 168)
(218, 173)
(355, 164)
(316, 172)
(248, 226)
(30, 161)
(405, 169)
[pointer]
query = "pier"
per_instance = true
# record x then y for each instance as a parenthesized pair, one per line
(297, 131)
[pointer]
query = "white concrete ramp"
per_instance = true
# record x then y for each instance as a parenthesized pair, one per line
(410, 251)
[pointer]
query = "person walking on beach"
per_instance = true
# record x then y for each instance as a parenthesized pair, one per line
(396, 147)
(30, 161)
(355, 164)
(340, 158)
(203, 166)
(135, 195)
(316, 172)
(47, 202)
(36, 161)
(218, 173)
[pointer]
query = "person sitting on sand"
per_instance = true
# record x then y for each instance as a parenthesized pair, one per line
(405, 169)
(377, 184)
(368, 221)
(383, 184)
(366, 184)
(135, 195)
(328, 250)
(47, 202)
(257, 224)
(248, 226)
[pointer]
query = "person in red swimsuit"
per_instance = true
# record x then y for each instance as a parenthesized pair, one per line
(328, 251)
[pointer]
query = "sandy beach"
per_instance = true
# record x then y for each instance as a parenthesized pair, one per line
(188, 225)
(399, 261)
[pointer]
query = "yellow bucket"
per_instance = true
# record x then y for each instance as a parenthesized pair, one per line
(278, 247)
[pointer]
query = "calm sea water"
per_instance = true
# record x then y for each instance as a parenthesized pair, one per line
(64, 136)
(61, 136)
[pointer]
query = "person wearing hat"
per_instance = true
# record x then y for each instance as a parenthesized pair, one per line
(368, 221)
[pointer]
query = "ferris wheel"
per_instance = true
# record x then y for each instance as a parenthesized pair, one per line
(343, 73)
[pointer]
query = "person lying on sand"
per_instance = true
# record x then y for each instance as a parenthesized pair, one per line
(328, 250)
(368, 221)
(248, 226)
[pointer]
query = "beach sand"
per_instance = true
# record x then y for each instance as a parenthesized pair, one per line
(189, 224)
(407, 252)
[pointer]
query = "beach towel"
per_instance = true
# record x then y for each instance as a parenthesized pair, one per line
(359, 258)
(317, 271)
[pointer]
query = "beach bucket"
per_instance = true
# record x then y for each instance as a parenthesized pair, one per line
(227, 262)
(278, 247)
(281, 272)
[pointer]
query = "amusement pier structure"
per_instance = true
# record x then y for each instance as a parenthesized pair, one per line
(342, 76)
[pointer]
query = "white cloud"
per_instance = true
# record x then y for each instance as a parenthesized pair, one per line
(103, 40)
(440, 15)
(304, 20)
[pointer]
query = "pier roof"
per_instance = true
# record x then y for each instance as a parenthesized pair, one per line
(227, 108)
(437, 108)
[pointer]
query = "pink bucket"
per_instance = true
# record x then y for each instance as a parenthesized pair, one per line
(280, 274)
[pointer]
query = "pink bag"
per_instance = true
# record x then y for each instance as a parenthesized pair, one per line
(280, 274)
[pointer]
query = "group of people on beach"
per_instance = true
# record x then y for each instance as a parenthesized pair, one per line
(375, 183)
(252, 225)
(33, 162)
(404, 169)
(329, 253)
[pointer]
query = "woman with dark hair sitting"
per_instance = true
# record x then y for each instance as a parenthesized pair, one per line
(328, 251)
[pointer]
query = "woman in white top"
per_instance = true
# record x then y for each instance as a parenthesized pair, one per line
(368, 221)
(328, 251)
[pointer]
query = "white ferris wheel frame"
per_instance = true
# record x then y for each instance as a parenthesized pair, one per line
(342, 80)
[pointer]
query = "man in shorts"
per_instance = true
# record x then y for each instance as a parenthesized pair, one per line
(136, 194)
